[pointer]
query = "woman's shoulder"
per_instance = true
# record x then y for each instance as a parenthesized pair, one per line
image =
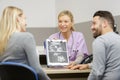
(24, 34)
(76, 33)
(55, 35)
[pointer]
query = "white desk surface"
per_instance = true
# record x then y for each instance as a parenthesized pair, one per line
(62, 70)
(40, 50)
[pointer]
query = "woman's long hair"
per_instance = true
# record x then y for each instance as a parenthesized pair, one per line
(8, 25)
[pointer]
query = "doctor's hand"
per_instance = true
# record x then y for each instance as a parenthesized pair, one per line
(72, 64)
(55, 39)
(80, 67)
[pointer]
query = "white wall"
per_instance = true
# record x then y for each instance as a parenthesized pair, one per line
(84, 9)
(43, 13)
(40, 13)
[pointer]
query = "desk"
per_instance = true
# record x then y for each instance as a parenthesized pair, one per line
(66, 74)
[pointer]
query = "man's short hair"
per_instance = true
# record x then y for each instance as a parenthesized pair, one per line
(106, 15)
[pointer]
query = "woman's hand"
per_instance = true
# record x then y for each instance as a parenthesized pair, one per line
(80, 67)
(72, 64)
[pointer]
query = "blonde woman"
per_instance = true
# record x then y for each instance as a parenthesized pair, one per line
(17, 45)
(76, 44)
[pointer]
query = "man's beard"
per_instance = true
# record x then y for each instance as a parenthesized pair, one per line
(97, 33)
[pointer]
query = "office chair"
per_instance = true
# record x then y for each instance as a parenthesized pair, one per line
(87, 59)
(16, 71)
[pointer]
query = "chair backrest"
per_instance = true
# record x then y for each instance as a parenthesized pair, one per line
(87, 59)
(16, 71)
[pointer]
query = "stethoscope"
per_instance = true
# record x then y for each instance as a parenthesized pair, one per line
(71, 48)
